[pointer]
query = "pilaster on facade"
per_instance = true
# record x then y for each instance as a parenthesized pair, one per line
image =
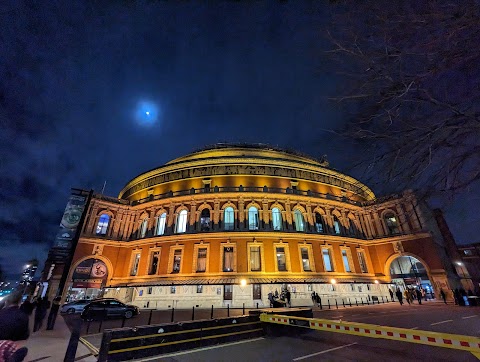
(194, 216)
(378, 223)
(403, 220)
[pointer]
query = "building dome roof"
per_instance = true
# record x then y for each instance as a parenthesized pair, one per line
(223, 161)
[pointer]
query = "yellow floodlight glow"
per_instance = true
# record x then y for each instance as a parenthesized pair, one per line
(333, 281)
(243, 282)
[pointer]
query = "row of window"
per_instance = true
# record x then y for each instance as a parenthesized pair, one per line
(256, 289)
(255, 259)
(252, 221)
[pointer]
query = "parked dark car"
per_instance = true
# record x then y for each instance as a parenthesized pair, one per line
(75, 307)
(108, 308)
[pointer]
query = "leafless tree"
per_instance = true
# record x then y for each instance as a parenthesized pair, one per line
(412, 72)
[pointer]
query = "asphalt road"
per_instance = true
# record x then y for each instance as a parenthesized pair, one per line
(315, 345)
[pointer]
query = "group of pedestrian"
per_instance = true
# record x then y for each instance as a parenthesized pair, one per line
(284, 299)
(316, 299)
(463, 297)
(14, 325)
(412, 294)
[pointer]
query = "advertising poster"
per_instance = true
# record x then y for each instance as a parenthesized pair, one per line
(70, 220)
(90, 273)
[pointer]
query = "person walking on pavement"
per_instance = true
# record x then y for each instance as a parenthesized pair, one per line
(40, 312)
(13, 327)
(52, 316)
(444, 297)
(287, 297)
(399, 295)
(391, 294)
(419, 296)
(424, 294)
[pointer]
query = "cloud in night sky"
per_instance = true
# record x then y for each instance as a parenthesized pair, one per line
(73, 73)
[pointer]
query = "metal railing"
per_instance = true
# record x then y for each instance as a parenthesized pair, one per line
(266, 189)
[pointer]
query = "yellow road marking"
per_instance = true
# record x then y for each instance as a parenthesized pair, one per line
(183, 341)
(90, 346)
(179, 332)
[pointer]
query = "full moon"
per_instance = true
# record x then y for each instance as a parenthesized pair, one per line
(147, 113)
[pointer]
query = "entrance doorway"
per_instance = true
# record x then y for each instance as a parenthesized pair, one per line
(411, 273)
(227, 292)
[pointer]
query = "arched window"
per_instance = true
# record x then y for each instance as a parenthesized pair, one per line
(392, 223)
(352, 227)
(276, 219)
(252, 218)
(228, 218)
(161, 221)
(102, 225)
(336, 226)
(319, 223)
(181, 225)
(205, 220)
(143, 228)
(298, 220)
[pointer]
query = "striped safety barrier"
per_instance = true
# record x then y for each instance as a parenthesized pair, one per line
(455, 341)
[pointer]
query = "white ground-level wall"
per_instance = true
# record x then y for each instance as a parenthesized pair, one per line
(187, 296)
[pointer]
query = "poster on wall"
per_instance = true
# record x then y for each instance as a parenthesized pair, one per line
(90, 273)
(68, 226)
(71, 218)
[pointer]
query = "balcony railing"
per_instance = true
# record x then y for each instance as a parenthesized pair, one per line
(243, 189)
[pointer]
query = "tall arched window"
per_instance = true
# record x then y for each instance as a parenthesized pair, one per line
(298, 220)
(205, 220)
(161, 221)
(392, 223)
(319, 228)
(181, 225)
(228, 218)
(252, 218)
(352, 228)
(102, 225)
(336, 226)
(276, 219)
(143, 228)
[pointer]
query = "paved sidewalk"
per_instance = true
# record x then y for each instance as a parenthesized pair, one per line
(50, 346)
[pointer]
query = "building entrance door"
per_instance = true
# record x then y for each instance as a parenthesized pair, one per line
(257, 291)
(410, 272)
(227, 292)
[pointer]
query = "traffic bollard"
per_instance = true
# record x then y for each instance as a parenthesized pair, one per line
(150, 317)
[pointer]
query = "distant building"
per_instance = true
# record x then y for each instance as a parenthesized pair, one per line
(26, 283)
(229, 224)
(468, 266)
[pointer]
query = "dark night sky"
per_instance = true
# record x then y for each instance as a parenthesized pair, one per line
(73, 73)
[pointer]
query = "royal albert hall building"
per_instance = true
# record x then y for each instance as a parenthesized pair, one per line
(231, 223)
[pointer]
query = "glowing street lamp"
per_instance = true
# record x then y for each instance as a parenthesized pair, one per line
(376, 281)
(333, 281)
(243, 282)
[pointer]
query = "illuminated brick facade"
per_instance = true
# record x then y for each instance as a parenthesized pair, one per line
(192, 231)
